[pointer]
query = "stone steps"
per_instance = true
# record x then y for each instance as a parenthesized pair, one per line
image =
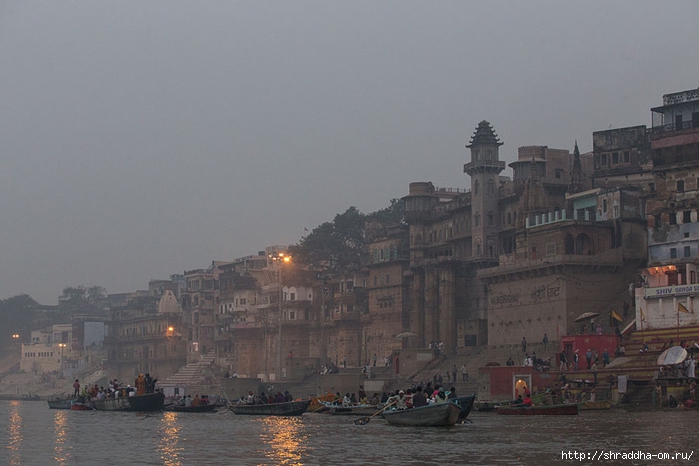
(194, 373)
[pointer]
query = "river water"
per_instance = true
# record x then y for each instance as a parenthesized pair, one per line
(33, 434)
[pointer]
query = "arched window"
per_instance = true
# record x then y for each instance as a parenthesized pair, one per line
(477, 219)
(509, 218)
(570, 245)
(478, 249)
(491, 250)
(490, 219)
(583, 244)
(476, 186)
(491, 187)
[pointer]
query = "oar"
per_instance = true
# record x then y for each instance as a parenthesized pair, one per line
(365, 420)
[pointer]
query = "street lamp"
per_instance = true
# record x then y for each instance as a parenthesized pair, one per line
(62, 345)
(280, 259)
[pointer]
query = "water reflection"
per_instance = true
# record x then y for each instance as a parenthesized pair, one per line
(287, 439)
(61, 442)
(14, 434)
(170, 437)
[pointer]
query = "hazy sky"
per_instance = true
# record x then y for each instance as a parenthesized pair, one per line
(143, 138)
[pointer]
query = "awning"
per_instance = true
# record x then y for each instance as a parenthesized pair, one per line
(618, 362)
(405, 335)
(672, 355)
(587, 315)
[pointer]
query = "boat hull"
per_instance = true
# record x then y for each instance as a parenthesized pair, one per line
(61, 403)
(595, 405)
(552, 410)
(291, 408)
(191, 409)
(466, 404)
(435, 415)
(147, 402)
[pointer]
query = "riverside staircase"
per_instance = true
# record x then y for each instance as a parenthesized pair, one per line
(194, 373)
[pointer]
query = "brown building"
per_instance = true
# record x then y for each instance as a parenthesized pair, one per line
(145, 337)
(518, 258)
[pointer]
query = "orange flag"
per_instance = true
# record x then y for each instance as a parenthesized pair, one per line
(681, 308)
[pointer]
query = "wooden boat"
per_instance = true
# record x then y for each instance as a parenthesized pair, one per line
(77, 406)
(434, 415)
(466, 404)
(291, 408)
(147, 402)
(354, 410)
(191, 409)
(549, 410)
(318, 402)
(595, 405)
(60, 403)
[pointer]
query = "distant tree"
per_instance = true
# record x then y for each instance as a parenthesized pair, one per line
(394, 214)
(16, 315)
(81, 298)
(341, 244)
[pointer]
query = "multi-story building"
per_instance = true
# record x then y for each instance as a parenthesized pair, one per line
(518, 258)
(145, 339)
(669, 295)
(199, 299)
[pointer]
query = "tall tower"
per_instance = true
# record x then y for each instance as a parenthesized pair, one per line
(484, 169)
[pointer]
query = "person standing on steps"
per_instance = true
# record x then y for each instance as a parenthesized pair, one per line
(545, 341)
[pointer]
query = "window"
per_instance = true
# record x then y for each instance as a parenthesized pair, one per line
(627, 157)
(680, 186)
(687, 216)
(604, 205)
(293, 297)
(476, 186)
(604, 159)
(376, 280)
(651, 187)
(558, 174)
(388, 279)
(477, 219)
(687, 251)
(490, 219)
(491, 187)
(615, 158)
(673, 218)
(673, 253)
(616, 211)
(509, 218)
(551, 249)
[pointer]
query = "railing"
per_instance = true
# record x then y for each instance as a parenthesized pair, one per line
(673, 127)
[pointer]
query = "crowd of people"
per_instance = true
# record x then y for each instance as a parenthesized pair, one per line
(142, 384)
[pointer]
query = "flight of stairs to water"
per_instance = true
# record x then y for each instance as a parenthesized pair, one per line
(193, 373)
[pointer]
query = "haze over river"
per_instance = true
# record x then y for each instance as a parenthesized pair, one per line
(33, 434)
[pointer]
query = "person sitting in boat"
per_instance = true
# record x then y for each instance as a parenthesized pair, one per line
(188, 401)
(280, 398)
(527, 401)
(398, 400)
(251, 398)
(419, 398)
(441, 396)
(518, 401)
(287, 396)
(346, 401)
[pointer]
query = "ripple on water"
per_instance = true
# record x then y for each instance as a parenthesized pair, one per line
(36, 435)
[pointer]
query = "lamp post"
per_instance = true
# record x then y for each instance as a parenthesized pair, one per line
(280, 259)
(62, 345)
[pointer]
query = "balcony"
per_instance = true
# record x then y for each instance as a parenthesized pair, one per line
(673, 127)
